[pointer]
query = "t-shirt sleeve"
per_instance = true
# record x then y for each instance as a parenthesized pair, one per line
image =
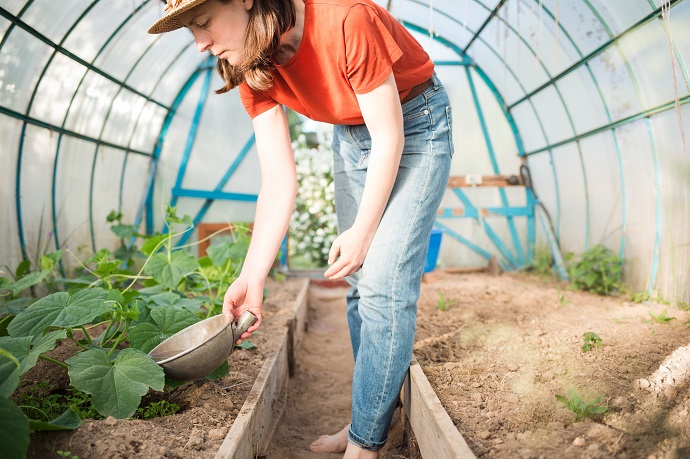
(370, 49)
(255, 102)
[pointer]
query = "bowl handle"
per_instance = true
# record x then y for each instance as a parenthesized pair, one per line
(246, 320)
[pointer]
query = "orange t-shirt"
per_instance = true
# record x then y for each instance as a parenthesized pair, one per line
(348, 47)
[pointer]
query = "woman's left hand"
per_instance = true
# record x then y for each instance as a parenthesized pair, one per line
(352, 245)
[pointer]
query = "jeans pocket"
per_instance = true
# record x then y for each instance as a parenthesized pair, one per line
(449, 116)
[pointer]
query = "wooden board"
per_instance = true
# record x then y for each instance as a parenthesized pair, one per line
(464, 181)
(434, 431)
(263, 409)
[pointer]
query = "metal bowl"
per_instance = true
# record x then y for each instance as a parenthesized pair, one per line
(196, 351)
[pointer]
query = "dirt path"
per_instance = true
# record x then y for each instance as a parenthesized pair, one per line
(320, 391)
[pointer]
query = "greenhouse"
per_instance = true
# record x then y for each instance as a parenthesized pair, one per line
(554, 312)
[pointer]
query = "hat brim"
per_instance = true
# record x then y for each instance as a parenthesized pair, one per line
(171, 21)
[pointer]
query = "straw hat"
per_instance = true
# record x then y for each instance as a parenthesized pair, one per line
(173, 9)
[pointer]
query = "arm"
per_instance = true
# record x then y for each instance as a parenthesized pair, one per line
(382, 114)
(272, 217)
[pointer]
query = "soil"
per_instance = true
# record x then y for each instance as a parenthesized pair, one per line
(208, 407)
(506, 345)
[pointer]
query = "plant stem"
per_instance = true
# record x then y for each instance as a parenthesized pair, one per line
(51, 360)
(153, 252)
(88, 337)
(119, 339)
(107, 330)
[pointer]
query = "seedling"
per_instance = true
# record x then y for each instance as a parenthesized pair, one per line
(443, 304)
(582, 409)
(561, 298)
(661, 318)
(592, 340)
(641, 297)
(67, 454)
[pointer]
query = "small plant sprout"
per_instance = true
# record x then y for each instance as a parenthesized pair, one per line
(582, 409)
(443, 303)
(67, 454)
(592, 340)
(661, 318)
(561, 297)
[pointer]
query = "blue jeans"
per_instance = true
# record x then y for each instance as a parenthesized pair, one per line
(382, 303)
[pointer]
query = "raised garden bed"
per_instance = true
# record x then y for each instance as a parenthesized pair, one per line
(505, 346)
(209, 408)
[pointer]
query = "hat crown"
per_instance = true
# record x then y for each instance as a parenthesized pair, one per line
(172, 4)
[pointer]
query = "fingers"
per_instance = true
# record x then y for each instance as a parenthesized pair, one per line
(342, 268)
(333, 253)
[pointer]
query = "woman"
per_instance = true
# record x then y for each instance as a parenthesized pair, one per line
(349, 63)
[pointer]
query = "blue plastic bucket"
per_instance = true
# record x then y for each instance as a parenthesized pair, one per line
(434, 246)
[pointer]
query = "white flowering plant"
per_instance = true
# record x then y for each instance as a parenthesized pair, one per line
(314, 225)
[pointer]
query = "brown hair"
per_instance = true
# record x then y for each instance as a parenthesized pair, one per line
(268, 20)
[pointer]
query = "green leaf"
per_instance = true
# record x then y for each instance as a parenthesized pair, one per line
(125, 253)
(69, 420)
(162, 324)
(14, 431)
(113, 216)
(25, 354)
(60, 310)
(573, 396)
(172, 299)
(124, 231)
(222, 371)
(29, 280)
(23, 268)
(5, 284)
(229, 250)
(150, 244)
(117, 387)
(4, 323)
(18, 305)
(246, 345)
(9, 372)
(169, 272)
(49, 260)
(598, 409)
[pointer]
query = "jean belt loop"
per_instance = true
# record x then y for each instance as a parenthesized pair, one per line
(437, 83)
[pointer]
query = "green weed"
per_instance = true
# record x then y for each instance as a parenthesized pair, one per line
(597, 270)
(158, 410)
(582, 409)
(67, 454)
(561, 297)
(592, 340)
(542, 261)
(43, 402)
(661, 318)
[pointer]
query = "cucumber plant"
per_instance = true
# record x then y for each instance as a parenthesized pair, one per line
(138, 297)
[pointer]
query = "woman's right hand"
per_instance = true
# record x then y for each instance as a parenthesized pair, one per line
(241, 296)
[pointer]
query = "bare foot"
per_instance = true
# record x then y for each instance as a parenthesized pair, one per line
(355, 452)
(331, 443)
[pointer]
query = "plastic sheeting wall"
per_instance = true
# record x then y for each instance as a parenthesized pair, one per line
(583, 91)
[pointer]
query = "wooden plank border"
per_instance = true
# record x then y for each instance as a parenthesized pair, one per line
(434, 431)
(262, 411)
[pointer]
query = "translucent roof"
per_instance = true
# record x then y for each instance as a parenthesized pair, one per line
(590, 95)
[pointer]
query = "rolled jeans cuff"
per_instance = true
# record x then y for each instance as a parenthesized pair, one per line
(362, 443)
